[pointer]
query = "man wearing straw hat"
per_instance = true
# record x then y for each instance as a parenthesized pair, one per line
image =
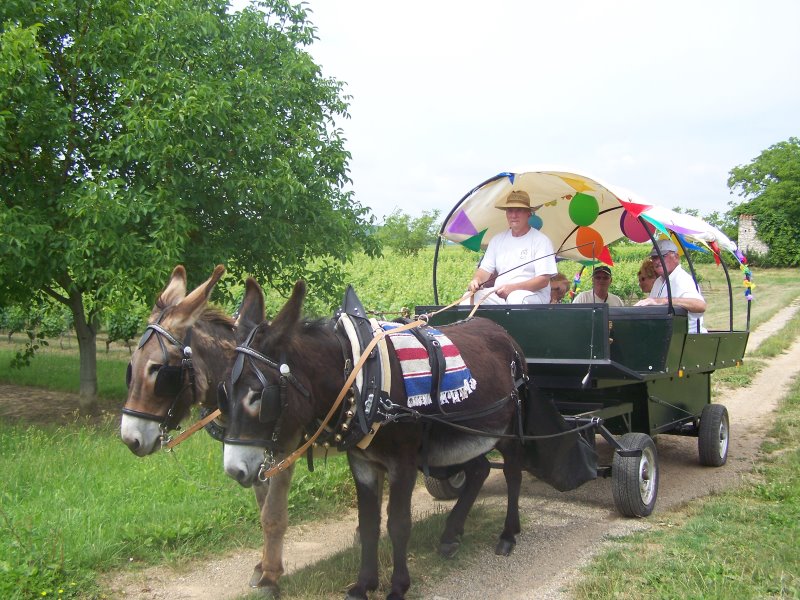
(518, 263)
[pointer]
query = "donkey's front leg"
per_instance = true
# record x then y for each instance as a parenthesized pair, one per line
(402, 478)
(274, 522)
(368, 478)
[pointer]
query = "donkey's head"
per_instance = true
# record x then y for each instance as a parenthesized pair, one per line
(161, 379)
(264, 402)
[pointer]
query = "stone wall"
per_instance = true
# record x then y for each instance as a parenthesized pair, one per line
(748, 237)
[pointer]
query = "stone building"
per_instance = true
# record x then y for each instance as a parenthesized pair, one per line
(748, 237)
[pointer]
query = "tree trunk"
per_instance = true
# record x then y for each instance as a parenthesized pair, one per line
(86, 331)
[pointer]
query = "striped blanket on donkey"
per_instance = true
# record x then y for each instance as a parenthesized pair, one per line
(457, 382)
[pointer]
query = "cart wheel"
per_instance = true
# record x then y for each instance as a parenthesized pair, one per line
(446, 489)
(634, 479)
(714, 435)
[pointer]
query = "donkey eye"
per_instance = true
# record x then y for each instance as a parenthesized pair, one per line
(252, 401)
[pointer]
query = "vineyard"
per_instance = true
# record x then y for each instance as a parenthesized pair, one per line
(387, 285)
(393, 282)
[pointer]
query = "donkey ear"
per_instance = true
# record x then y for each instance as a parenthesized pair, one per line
(174, 292)
(252, 312)
(191, 307)
(289, 315)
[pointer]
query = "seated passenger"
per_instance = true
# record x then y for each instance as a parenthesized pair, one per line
(685, 292)
(518, 263)
(601, 280)
(647, 276)
(559, 286)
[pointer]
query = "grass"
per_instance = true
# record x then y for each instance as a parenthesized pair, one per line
(56, 369)
(772, 346)
(76, 502)
(739, 544)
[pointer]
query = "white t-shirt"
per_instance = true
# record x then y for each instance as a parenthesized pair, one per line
(588, 297)
(532, 255)
(682, 286)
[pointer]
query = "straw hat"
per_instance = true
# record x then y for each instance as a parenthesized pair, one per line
(516, 199)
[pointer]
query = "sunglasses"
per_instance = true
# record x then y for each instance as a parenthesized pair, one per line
(655, 259)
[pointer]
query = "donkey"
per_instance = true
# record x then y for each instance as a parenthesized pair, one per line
(306, 361)
(162, 386)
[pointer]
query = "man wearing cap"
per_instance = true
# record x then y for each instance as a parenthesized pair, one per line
(601, 280)
(518, 263)
(685, 292)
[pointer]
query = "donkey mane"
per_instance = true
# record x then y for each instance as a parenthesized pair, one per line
(316, 330)
(212, 315)
(216, 316)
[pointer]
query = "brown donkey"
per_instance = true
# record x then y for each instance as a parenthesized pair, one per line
(182, 357)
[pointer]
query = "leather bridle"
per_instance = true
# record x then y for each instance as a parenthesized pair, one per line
(171, 380)
(274, 397)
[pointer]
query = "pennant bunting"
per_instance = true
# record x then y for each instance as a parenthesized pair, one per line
(474, 242)
(462, 224)
(635, 208)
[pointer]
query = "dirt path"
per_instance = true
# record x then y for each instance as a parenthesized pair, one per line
(561, 531)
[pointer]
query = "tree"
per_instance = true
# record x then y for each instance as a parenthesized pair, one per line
(770, 186)
(137, 135)
(408, 235)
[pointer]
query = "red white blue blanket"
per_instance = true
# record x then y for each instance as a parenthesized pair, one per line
(457, 382)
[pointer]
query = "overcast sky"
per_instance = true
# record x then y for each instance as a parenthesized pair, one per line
(662, 98)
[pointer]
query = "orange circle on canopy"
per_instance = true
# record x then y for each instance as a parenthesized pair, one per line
(589, 241)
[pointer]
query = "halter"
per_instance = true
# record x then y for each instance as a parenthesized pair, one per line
(169, 379)
(274, 397)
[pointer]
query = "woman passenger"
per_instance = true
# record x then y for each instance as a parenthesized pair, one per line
(559, 286)
(647, 276)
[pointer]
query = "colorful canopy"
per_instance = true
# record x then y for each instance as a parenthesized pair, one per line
(581, 215)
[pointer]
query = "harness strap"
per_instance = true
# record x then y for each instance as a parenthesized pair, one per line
(426, 447)
(289, 460)
(436, 361)
(193, 429)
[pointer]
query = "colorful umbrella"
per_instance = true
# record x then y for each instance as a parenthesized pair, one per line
(580, 214)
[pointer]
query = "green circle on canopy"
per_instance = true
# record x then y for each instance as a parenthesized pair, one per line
(583, 209)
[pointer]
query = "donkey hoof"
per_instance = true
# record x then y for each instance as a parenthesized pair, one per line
(449, 549)
(504, 547)
(255, 578)
(268, 592)
(356, 593)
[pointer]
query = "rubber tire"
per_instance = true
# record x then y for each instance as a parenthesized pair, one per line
(634, 479)
(446, 489)
(713, 436)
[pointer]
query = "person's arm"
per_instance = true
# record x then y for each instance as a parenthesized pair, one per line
(532, 285)
(480, 277)
(695, 305)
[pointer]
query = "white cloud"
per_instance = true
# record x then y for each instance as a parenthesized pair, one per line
(663, 98)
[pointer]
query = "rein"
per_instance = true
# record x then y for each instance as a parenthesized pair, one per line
(284, 464)
(266, 473)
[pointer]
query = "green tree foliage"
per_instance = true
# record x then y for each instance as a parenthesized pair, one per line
(770, 186)
(408, 235)
(137, 135)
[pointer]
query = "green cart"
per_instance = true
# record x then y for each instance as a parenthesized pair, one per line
(625, 373)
